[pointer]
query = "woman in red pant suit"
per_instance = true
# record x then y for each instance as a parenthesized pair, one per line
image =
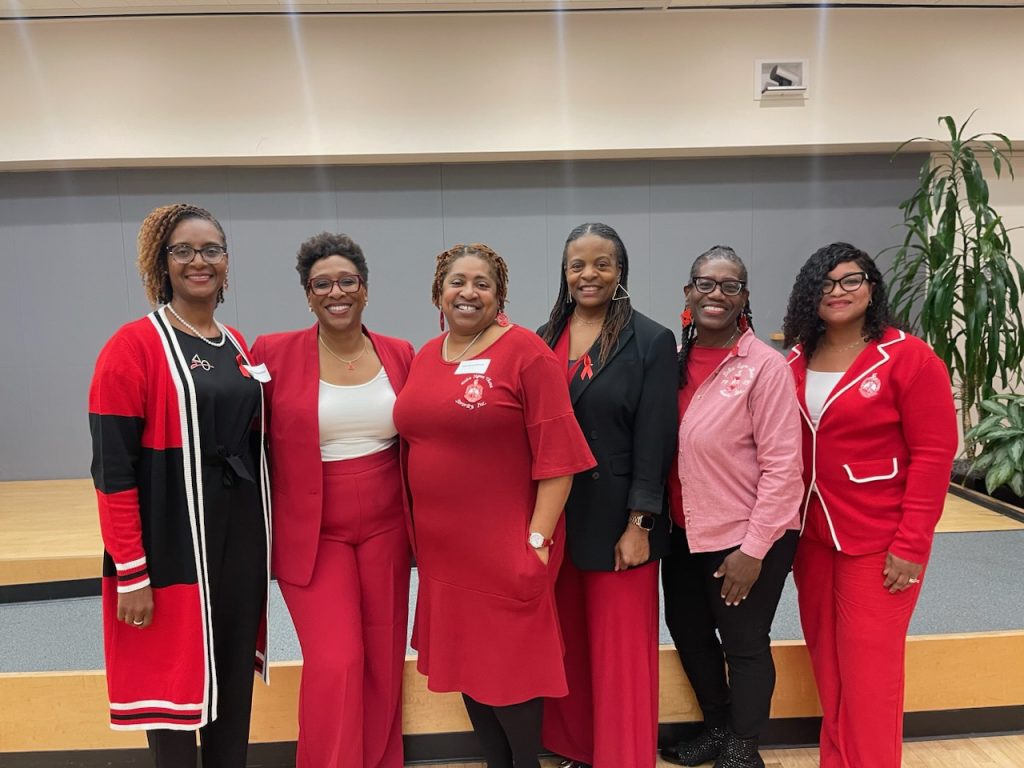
(340, 548)
(879, 440)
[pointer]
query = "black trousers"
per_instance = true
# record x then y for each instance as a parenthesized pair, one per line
(236, 558)
(694, 609)
(509, 736)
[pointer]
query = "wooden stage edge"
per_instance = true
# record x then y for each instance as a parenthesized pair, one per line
(66, 711)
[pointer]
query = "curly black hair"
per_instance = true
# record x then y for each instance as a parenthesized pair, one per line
(326, 244)
(803, 325)
(744, 319)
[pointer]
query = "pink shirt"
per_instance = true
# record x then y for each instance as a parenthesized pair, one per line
(739, 459)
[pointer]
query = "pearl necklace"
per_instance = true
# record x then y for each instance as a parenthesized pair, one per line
(198, 335)
(444, 347)
(350, 364)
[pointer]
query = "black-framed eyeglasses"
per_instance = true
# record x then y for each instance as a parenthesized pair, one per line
(322, 286)
(849, 283)
(728, 287)
(182, 253)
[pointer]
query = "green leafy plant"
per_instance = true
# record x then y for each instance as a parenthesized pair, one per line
(953, 281)
(1001, 433)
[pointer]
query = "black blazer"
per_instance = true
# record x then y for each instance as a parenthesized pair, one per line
(629, 413)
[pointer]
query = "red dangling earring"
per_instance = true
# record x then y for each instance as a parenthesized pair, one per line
(441, 318)
(686, 317)
(502, 319)
(743, 323)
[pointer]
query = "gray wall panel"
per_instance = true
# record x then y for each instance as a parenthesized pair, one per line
(82, 226)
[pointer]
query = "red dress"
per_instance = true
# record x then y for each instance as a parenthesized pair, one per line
(481, 433)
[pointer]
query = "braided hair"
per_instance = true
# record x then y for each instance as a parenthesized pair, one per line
(485, 253)
(152, 241)
(744, 320)
(620, 311)
(804, 325)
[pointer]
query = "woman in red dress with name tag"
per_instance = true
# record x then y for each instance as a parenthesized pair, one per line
(880, 434)
(492, 448)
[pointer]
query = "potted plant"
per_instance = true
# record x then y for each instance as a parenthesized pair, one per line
(1001, 435)
(953, 281)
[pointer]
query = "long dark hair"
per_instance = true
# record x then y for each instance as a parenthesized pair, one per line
(619, 312)
(745, 317)
(803, 325)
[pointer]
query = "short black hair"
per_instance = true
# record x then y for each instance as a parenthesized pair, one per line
(326, 244)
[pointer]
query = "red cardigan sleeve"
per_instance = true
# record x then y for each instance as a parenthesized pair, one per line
(928, 421)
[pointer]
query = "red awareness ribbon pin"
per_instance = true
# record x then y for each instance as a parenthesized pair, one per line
(588, 368)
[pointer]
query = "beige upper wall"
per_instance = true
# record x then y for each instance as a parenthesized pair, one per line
(108, 92)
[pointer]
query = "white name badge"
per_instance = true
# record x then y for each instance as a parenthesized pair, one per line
(479, 365)
(258, 372)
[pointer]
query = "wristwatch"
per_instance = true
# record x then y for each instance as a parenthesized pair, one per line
(642, 521)
(537, 540)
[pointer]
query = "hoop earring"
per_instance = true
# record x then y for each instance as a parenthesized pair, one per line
(441, 319)
(616, 296)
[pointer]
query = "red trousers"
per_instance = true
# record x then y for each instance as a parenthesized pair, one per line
(610, 628)
(856, 633)
(352, 619)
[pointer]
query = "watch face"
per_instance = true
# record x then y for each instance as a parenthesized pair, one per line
(536, 540)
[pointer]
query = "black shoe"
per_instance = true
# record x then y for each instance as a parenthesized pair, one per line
(573, 764)
(739, 753)
(703, 748)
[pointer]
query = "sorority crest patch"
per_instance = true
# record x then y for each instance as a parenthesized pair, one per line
(871, 386)
(736, 379)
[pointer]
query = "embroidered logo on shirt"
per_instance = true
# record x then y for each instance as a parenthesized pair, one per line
(198, 362)
(736, 379)
(476, 387)
(871, 386)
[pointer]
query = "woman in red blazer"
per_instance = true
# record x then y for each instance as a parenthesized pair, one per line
(340, 548)
(879, 439)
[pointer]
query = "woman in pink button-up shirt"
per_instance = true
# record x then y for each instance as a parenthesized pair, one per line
(735, 499)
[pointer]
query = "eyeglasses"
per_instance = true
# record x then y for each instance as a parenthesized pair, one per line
(848, 283)
(183, 253)
(322, 286)
(728, 287)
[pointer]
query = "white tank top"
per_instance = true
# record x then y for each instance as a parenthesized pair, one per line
(356, 420)
(817, 389)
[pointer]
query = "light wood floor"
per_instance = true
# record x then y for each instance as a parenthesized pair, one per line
(51, 533)
(982, 752)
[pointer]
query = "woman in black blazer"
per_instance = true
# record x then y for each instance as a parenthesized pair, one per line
(623, 378)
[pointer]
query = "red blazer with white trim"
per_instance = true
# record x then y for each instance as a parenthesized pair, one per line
(879, 459)
(293, 428)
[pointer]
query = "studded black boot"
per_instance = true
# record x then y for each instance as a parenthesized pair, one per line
(739, 753)
(703, 748)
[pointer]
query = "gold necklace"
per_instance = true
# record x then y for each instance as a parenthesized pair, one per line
(579, 319)
(845, 347)
(727, 344)
(349, 364)
(444, 347)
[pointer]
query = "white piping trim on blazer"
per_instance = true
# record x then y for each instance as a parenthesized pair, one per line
(890, 476)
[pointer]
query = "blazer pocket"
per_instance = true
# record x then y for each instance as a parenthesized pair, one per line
(621, 464)
(872, 471)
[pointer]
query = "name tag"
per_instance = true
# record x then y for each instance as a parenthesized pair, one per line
(478, 365)
(258, 372)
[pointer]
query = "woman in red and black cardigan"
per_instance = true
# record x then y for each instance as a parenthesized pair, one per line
(879, 440)
(341, 552)
(175, 411)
